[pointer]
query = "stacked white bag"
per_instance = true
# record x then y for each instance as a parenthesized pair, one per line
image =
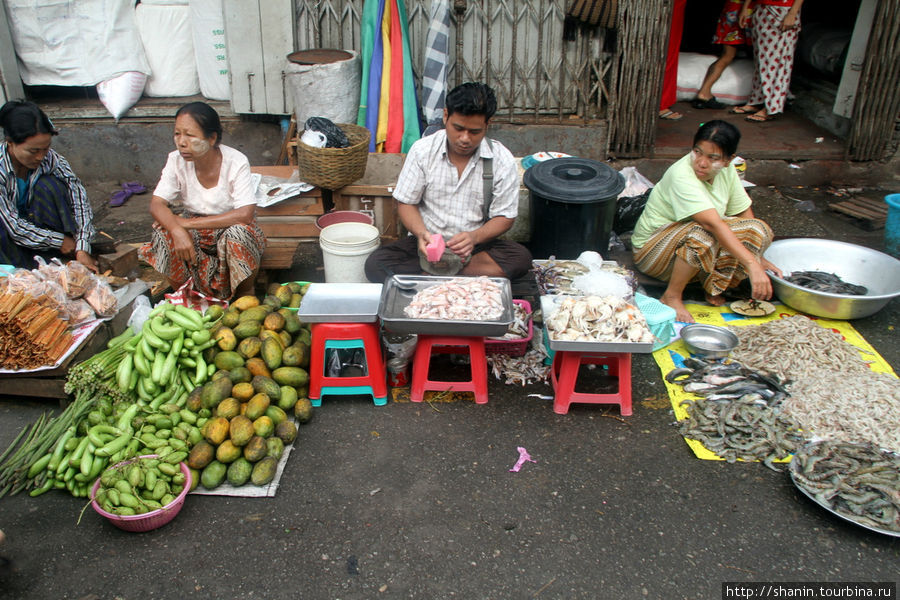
(208, 25)
(165, 30)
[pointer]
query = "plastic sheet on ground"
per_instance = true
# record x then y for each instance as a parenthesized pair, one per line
(671, 356)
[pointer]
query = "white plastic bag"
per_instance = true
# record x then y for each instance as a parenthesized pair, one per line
(635, 183)
(168, 42)
(119, 93)
(139, 313)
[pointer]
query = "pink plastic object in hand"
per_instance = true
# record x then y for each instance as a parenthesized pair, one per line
(435, 250)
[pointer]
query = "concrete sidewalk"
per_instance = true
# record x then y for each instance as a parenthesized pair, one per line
(417, 500)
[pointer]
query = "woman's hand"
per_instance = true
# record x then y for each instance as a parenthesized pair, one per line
(744, 18)
(789, 21)
(768, 266)
(760, 283)
(183, 244)
(87, 260)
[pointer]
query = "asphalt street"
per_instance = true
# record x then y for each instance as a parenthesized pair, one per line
(418, 500)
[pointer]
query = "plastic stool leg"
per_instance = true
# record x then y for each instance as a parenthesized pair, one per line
(317, 363)
(624, 376)
(478, 366)
(421, 361)
(566, 364)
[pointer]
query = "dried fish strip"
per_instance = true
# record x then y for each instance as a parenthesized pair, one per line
(833, 392)
(858, 481)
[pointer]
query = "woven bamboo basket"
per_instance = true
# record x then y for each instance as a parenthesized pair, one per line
(333, 168)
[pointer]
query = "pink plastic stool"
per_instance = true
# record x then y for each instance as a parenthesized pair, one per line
(363, 335)
(564, 374)
(440, 344)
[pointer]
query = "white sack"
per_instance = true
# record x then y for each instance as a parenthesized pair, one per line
(119, 93)
(208, 26)
(733, 87)
(165, 32)
(75, 43)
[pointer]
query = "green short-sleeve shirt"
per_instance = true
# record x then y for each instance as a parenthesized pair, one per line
(679, 195)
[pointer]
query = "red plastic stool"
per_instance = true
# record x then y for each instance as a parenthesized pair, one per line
(362, 335)
(565, 373)
(440, 344)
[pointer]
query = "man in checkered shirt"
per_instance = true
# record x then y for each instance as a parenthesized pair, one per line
(441, 190)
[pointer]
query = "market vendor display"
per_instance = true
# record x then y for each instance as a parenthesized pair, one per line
(698, 225)
(216, 239)
(43, 205)
(441, 190)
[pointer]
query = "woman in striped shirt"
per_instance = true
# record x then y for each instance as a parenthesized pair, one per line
(43, 205)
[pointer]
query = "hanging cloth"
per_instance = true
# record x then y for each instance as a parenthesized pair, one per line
(437, 56)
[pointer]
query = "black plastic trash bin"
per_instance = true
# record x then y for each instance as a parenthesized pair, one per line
(573, 204)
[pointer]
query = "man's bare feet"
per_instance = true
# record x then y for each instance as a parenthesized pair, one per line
(681, 312)
(715, 300)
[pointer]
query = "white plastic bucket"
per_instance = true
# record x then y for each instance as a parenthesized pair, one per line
(345, 248)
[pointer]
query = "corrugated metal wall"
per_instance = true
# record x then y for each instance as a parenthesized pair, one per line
(516, 46)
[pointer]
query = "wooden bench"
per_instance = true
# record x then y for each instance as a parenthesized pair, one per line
(289, 222)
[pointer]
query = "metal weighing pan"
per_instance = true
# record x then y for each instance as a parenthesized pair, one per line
(399, 291)
(795, 466)
(340, 303)
(548, 305)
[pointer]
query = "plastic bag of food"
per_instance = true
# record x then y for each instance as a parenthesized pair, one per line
(139, 313)
(78, 311)
(79, 278)
(53, 271)
(101, 298)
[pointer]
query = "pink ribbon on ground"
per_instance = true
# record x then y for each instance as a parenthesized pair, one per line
(523, 458)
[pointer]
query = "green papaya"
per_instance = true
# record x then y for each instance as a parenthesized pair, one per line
(214, 392)
(249, 346)
(256, 449)
(239, 471)
(247, 328)
(294, 376)
(240, 375)
(276, 447)
(271, 353)
(213, 475)
(257, 313)
(286, 431)
(303, 410)
(288, 398)
(264, 471)
(228, 360)
(267, 386)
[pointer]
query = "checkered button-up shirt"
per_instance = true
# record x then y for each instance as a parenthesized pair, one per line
(451, 203)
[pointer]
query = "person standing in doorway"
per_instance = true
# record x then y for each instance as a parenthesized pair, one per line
(775, 28)
(730, 36)
(670, 75)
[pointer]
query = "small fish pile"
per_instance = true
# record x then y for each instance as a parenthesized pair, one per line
(598, 319)
(522, 370)
(578, 278)
(459, 299)
(859, 481)
(741, 428)
(721, 382)
(555, 276)
(821, 281)
(518, 329)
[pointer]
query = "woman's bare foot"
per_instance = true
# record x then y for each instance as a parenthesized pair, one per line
(718, 300)
(681, 312)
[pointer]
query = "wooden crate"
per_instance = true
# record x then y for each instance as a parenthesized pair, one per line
(377, 200)
(867, 213)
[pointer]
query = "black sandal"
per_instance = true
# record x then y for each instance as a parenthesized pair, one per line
(710, 102)
(744, 110)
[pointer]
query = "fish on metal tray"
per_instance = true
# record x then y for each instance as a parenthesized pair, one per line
(821, 281)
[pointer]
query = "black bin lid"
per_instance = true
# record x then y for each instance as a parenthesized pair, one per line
(574, 180)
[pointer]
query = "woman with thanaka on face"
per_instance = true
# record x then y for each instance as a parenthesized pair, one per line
(216, 239)
(44, 208)
(698, 225)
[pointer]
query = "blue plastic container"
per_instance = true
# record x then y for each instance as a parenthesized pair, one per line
(892, 225)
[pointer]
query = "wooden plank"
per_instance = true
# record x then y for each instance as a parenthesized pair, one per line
(298, 206)
(279, 253)
(289, 227)
(857, 210)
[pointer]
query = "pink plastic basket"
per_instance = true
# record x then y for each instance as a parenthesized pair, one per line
(512, 347)
(147, 521)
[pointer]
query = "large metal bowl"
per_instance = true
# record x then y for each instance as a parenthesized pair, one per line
(877, 271)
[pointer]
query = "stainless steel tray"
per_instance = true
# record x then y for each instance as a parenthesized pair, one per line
(394, 299)
(340, 303)
(795, 465)
(548, 304)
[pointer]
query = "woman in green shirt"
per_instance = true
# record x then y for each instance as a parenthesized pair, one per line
(698, 225)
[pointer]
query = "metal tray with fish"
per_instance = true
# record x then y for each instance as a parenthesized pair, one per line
(399, 291)
(803, 482)
(340, 303)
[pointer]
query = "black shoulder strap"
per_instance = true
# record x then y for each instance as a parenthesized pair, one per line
(487, 178)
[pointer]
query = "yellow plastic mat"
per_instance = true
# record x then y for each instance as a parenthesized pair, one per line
(671, 356)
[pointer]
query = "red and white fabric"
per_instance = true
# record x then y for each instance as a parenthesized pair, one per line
(773, 52)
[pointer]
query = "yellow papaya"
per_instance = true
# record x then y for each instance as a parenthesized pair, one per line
(257, 406)
(240, 430)
(283, 293)
(201, 455)
(226, 339)
(243, 391)
(257, 367)
(227, 452)
(293, 376)
(285, 338)
(271, 353)
(231, 317)
(249, 346)
(194, 402)
(303, 410)
(245, 302)
(214, 311)
(256, 449)
(229, 407)
(248, 328)
(286, 431)
(274, 321)
(273, 288)
(268, 334)
(296, 299)
(257, 313)
(216, 430)
(294, 286)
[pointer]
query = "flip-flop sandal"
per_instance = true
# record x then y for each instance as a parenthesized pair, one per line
(670, 115)
(710, 102)
(119, 198)
(135, 187)
(743, 110)
(758, 118)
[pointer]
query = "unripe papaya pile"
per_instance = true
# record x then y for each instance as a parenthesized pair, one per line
(247, 410)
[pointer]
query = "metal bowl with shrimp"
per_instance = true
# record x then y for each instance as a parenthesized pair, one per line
(876, 271)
